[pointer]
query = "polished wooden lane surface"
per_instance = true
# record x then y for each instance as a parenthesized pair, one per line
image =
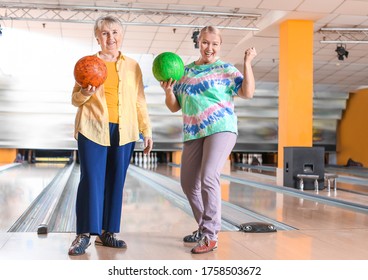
(20, 184)
(153, 227)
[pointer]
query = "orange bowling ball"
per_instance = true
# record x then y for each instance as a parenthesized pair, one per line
(90, 70)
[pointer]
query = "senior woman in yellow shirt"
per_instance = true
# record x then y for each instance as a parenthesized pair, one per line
(108, 122)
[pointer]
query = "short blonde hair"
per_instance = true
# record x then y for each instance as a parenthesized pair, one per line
(210, 29)
(106, 20)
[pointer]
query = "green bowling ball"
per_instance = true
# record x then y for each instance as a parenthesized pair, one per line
(168, 65)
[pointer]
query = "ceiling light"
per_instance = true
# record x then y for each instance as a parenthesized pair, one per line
(195, 37)
(341, 52)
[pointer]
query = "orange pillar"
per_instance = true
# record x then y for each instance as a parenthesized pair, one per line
(8, 155)
(295, 87)
(176, 159)
(352, 134)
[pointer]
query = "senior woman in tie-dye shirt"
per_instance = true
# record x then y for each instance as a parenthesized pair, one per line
(205, 96)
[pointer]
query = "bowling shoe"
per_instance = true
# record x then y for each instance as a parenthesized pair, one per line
(79, 245)
(194, 237)
(108, 239)
(205, 245)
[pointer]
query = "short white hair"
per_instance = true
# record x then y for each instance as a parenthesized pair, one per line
(106, 20)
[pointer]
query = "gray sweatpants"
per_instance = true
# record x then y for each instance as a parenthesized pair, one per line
(201, 165)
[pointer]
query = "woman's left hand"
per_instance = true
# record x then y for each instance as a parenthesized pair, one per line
(250, 54)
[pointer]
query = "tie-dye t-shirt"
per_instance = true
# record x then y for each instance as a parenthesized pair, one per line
(205, 95)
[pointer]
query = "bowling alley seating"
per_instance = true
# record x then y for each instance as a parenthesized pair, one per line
(302, 177)
(305, 169)
(330, 178)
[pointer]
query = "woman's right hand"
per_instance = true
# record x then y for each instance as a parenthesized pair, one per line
(89, 90)
(170, 100)
(168, 85)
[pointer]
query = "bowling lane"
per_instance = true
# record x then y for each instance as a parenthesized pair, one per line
(294, 210)
(147, 210)
(349, 171)
(297, 211)
(19, 186)
(352, 183)
(144, 209)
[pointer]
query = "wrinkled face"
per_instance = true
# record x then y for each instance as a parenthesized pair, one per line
(209, 47)
(110, 37)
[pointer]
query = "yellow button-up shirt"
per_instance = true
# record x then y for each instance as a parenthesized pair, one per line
(92, 118)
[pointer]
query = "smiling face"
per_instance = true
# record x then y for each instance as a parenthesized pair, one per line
(209, 45)
(109, 36)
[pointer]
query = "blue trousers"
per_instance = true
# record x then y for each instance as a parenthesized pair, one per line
(100, 190)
